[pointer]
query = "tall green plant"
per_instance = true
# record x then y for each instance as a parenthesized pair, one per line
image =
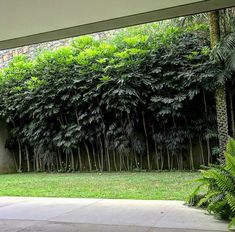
(134, 101)
(216, 190)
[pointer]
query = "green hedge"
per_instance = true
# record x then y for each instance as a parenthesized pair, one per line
(140, 99)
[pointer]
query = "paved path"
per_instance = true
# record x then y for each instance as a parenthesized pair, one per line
(96, 215)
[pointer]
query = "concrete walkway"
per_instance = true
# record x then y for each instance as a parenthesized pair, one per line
(96, 215)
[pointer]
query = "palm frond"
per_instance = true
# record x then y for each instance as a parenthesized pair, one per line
(220, 196)
(231, 201)
(224, 51)
(232, 223)
(208, 197)
(230, 163)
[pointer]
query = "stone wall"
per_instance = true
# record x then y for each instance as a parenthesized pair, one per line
(7, 163)
(31, 51)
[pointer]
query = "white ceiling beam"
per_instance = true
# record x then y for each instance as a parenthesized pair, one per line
(24, 22)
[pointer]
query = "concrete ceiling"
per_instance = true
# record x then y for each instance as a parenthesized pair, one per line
(24, 22)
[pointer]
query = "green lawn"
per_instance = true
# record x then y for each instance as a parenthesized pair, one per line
(154, 185)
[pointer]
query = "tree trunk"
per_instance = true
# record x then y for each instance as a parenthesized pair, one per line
(214, 27)
(162, 159)
(232, 113)
(66, 161)
(209, 158)
(156, 151)
(101, 156)
(72, 162)
(202, 151)
(20, 157)
(206, 137)
(181, 161)
(107, 156)
(60, 160)
(114, 160)
(88, 157)
(120, 162)
(36, 161)
(220, 93)
(94, 156)
(191, 154)
(14, 157)
(168, 159)
(222, 119)
(80, 160)
(146, 141)
(27, 158)
(136, 160)
(57, 163)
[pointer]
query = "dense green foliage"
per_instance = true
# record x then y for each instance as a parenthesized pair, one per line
(220, 187)
(139, 100)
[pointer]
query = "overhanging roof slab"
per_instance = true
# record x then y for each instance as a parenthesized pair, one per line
(24, 22)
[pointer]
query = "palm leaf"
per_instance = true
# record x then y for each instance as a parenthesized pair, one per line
(231, 200)
(207, 198)
(230, 163)
(232, 223)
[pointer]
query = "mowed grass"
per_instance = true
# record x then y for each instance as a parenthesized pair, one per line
(146, 186)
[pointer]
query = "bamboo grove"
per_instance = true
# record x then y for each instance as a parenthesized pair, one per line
(142, 99)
